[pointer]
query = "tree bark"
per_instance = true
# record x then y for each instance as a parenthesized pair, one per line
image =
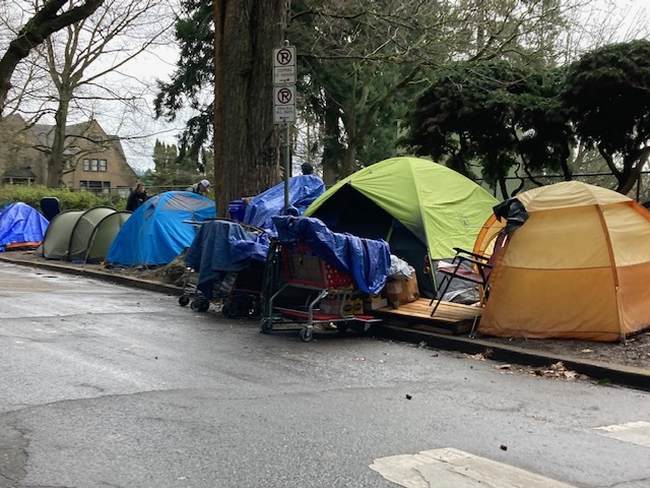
(247, 159)
(332, 148)
(56, 159)
(349, 159)
(39, 27)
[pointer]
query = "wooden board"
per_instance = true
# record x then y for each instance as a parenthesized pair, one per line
(455, 316)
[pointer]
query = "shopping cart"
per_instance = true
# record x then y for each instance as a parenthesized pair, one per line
(300, 269)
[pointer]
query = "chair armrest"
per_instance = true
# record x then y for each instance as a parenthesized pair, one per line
(468, 259)
(469, 253)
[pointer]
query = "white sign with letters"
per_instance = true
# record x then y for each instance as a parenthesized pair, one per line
(284, 104)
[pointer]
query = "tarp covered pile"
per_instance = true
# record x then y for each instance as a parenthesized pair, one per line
(21, 226)
(303, 190)
(366, 260)
(221, 247)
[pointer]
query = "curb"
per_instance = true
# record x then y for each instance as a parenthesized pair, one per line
(617, 374)
(100, 275)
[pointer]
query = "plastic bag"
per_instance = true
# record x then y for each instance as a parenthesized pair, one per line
(399, 269)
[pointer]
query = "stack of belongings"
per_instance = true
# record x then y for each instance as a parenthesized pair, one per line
(367, 261)
(222, 249)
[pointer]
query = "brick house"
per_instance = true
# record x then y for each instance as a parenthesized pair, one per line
(95, 160)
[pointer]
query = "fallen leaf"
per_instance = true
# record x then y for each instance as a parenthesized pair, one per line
(503, 366)
(586, 351)
(477, 357)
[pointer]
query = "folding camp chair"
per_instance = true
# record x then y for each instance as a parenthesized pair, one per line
(478, 272)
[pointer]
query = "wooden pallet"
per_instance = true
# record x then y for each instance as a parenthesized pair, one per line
(452, 317)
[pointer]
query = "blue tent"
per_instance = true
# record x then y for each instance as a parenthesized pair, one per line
(21, 224)
(158, 230)
(303, 190)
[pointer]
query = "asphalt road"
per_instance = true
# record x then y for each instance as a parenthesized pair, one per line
(105, 386)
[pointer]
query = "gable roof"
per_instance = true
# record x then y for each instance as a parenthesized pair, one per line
(43, 134)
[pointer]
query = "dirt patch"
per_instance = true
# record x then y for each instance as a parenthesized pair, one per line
(633, 352)
(174, 273)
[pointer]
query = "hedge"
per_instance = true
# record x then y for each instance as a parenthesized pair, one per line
(70, 200)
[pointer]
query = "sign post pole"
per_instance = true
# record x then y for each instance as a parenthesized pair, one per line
(284, 102)
(287, 167)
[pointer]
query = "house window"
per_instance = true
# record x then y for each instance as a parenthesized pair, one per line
(95, 165)
(95, 186)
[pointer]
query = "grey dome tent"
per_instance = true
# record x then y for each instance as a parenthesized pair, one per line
(83, 236)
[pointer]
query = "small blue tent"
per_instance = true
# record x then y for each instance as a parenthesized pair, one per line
(303, 190)
(21, 225)
(158, 230)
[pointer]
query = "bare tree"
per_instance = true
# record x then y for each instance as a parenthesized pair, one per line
(84, 63)
(48, 18)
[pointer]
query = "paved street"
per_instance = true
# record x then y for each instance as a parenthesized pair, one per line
(106, 386)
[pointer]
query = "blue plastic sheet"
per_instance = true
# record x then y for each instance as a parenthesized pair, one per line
(21, 223)
(366, 260)
(221, 247)
(303, 190)
(158, 230)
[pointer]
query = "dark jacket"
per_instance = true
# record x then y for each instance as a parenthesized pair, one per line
(135, 200)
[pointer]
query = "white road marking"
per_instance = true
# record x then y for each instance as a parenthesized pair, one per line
(452, 468)
(634, 432)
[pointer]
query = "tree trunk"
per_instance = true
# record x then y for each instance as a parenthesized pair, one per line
(249, 160)
(632, 167)
(56, 158)
(348, 165)
(503, 187)
(332, 148)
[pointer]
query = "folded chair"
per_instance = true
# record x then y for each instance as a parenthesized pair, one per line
(478, 271)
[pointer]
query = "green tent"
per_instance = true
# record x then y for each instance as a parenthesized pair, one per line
(421, 208)
(83, 236)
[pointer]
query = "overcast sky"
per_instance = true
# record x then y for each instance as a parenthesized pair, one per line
(629, 18)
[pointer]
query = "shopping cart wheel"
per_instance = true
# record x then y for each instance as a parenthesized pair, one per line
(200, 305)
(266, 327)
(306, 334)
(183, 300)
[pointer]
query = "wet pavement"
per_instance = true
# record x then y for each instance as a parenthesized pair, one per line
(106, 386)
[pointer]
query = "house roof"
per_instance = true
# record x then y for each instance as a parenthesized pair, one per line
(44, 133)
(24, 172)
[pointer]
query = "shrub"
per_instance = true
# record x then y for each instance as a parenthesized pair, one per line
(70, 200)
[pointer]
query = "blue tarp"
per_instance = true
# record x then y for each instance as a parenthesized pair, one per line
(366, 260)
(158, 230)
(303, 190)
(21, 223)
(221, 247)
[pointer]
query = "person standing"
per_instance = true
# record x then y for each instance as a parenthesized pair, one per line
(200, 188)
(137, 197)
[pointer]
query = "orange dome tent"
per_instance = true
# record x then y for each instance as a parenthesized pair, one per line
(579, 267)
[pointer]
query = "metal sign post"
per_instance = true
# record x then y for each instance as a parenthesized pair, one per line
(284, 102)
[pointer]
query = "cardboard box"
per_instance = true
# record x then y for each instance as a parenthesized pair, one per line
(375, 302)
(400, 292)
(337, 304)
